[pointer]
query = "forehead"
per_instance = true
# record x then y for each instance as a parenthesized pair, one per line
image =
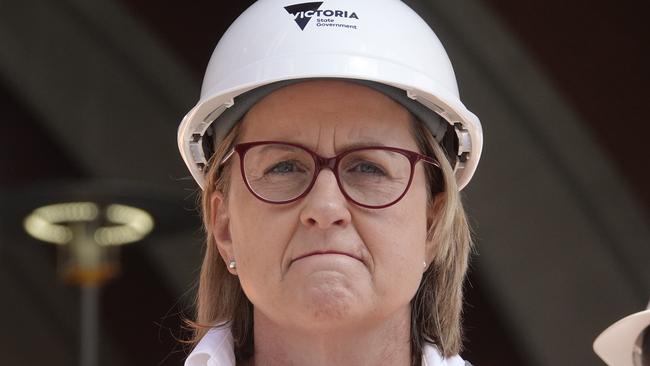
(329, 114)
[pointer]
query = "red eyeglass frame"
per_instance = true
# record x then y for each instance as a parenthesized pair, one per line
(332, 163)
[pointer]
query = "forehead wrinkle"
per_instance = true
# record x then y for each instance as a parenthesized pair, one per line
(322, 142)
(355, 117)
(357, 136)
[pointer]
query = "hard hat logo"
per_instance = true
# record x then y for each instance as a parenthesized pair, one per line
(305, 11)
(299, 10)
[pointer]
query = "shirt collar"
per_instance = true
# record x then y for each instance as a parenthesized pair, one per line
(216, 348)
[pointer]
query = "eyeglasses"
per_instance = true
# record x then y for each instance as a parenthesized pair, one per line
(370, 176)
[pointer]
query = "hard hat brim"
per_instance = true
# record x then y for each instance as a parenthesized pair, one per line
(418, 86)
(615, 345)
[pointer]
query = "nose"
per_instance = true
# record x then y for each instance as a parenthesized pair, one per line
(325, 205)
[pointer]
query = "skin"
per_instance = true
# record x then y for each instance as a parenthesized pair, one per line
(351, 308)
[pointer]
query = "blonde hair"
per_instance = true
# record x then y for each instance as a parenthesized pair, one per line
(437, 306)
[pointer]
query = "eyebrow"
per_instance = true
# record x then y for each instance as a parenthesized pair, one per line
(280, 147)
(362, 144)
(352, 145)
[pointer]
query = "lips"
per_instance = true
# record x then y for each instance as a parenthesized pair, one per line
(318, 252)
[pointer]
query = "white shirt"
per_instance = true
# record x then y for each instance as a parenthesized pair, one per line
(217, 349)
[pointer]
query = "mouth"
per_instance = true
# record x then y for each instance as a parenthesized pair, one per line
(320, 252)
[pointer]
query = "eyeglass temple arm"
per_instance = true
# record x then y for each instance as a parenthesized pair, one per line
(429, 160)
(232, 151)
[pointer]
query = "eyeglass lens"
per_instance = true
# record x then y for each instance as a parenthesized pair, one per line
(373, 177)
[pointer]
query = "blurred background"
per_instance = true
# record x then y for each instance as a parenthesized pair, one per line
(91, 94)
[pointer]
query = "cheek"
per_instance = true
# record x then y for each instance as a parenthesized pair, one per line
(259, 236)
(396, 241)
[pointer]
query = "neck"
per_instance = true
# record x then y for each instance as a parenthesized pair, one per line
(387, 343)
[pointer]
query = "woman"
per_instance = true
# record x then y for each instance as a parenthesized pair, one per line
(331, 145)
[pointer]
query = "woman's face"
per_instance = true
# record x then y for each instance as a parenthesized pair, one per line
(379, 253)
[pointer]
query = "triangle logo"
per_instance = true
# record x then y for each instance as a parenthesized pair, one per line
(299, 11)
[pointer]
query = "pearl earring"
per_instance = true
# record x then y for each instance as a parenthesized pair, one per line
(232, 264)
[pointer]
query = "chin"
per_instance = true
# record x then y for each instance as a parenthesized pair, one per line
(330, 308)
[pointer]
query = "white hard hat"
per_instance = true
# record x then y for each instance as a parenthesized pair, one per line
(381, 43)
(620, 344)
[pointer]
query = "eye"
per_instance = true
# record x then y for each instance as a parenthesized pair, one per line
(367, 168)
(284, 167)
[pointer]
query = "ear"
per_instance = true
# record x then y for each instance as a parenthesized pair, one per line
(220, 220)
